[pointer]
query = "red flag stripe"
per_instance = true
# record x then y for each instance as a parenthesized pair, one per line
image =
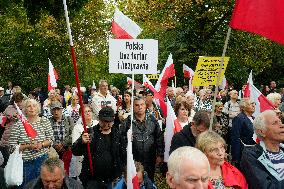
(118, 32)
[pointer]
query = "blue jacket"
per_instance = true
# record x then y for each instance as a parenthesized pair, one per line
(258, 169)
(242, 132)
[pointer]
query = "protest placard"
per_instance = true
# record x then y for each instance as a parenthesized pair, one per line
(133, 56)
(207, 69)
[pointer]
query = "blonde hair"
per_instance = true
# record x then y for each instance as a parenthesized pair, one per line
(273, 96)
(207, 140)
(33, 102)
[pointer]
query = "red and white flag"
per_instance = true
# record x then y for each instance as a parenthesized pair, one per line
(248, 87)
(262, 17)
(52, 76)
(224, 83)
(168, 72)
(147, 83)
(28, 127)
(3, 120)
(172, 126)
(123, 27)
(132, 179)
(187, 71)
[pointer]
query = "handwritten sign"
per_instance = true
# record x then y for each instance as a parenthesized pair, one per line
(207, 70)
(137, 56)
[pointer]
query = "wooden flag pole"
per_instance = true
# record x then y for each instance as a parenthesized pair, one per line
(218, 78)
(78, 83)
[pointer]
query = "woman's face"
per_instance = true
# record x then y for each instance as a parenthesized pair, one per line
(182, 111)
(219, 108)
(216, 154)
(52, 94)
(88, 113)
(31, 109)
(127, 97)
(75, 100)
(277, 102)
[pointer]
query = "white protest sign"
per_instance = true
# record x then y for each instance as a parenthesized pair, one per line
(133, 56)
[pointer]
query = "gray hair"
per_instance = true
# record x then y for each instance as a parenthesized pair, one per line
(244, 103)
(260, 121)
(273, 96)
(51, 163)
(102, 81)
(33, 102)
(182, 154)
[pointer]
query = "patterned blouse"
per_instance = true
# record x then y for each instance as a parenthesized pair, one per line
(219, 184)
(19, 136)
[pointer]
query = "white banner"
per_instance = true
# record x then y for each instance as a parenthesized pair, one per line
(137, 56)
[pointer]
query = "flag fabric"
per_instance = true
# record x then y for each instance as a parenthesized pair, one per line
(52, 77)
(262, 17)
(262, 103)
(224, 83)
(172, 126)
(147, 83)
(123, 27)
(187, 71)
(248, 86)
(132, 179)
(28, 127)
(94, 85)
(168, 72)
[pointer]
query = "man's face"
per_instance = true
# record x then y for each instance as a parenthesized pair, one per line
(139, 107)
(105, 125)
(197, 129)
(1, 93)
(171, 92)
(272, 84)
(149, 98)
(193, 175)
(57, 113)
(52, 180)
(274, 129)
(104, 87)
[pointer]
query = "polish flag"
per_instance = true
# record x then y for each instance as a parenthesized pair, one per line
(172, 126)
(262, 103)
(262, 17)
(168, 72)
(248, 87)
(132, 179)
(224, 83)
(123, 27)
(147, 83)
(187, 71)
(52, 77)
(29, 129)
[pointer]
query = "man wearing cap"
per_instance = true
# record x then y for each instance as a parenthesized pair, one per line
(62, 130)
(151, 107)
(4, 100)
(107, 150)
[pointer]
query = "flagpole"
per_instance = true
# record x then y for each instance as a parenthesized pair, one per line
(78, 83)
(219, 76)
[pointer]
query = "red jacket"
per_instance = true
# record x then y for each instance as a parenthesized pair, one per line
(232, 177)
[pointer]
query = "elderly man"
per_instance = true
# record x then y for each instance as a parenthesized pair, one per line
(148, 140)
(103, 99)
(52, 177)
(188, 168)
(242, 130)
(187, 136)
(263, 163)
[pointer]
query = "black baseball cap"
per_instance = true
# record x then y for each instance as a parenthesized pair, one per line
(106, 114)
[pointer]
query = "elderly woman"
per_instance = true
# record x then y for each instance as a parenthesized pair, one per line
(34, 150)
(72, 110)
(242, 130)
(222, 173)
(222, 120)
(76, 161)
(182, 111)
(190, 98)
(203, 101)
(46, 104)
(275, 98)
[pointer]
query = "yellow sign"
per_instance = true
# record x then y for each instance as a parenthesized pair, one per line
(207, 70)
(154, 76)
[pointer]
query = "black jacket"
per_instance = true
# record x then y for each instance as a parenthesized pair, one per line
(148, 141)
(68, 183)
(183, 138)
(118, 152)
(257, 176)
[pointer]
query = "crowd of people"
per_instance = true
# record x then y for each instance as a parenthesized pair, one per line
(238, 150)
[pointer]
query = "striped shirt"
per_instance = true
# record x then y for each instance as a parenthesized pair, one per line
(277, 158)
(19, 136)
